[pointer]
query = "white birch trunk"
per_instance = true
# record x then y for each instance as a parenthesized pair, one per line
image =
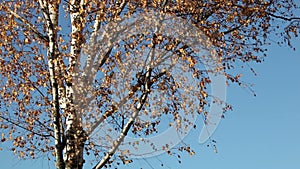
(75, 135)
(50, 12)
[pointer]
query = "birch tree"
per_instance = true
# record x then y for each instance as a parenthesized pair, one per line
(46, 111)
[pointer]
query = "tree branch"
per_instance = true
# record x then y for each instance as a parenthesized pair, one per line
(50, 12)
(24, 128)
(283, 18)
(233, 29)
(27, 24)
(125, 130)
(122, 102)
(142, 100)
(94, 35)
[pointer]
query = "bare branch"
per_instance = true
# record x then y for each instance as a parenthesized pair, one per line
(283, 17)
(233, 29)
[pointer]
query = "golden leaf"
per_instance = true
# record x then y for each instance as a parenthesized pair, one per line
(26, 41)
(22, 154)
(10, 136)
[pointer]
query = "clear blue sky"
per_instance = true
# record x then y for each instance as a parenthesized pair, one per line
(260, 133)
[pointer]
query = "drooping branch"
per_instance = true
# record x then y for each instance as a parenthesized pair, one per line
(22, 127)
(283, 17)
(27, 24)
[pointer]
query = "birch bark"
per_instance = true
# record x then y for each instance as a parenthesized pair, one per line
(50, 12)
(75, 134)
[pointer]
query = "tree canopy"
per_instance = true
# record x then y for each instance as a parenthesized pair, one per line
(71, 67)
